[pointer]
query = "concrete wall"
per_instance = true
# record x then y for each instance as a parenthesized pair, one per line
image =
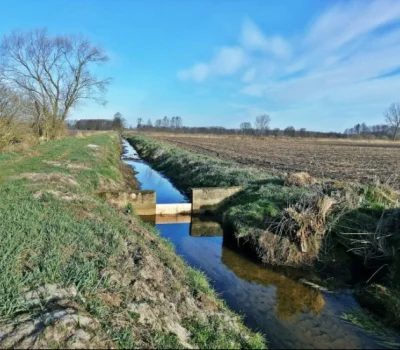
(173, 209)
(207, 199)
(144, 202)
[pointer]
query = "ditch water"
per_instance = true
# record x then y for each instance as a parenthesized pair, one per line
(289, 313)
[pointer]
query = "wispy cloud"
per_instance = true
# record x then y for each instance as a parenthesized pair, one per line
(344, 56)
(350, 21)
(253, 39)
(249, 75)
(227, 61)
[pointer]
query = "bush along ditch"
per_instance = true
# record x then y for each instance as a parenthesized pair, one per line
(345, 232)
(79, 273)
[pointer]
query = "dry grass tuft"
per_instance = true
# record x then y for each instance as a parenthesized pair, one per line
(53, 178)
(304, 220)
(300, 179)
(296, 237)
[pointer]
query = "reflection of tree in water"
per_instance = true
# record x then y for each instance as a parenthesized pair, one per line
(292, 297)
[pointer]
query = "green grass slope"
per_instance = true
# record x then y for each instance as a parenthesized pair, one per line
(76, 272)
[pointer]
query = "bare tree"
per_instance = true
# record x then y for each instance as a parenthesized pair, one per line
(166, 122)
(262, 122)
(392, 117)
(54, 72)
(178, 122)
(245, 127)
(118, 122)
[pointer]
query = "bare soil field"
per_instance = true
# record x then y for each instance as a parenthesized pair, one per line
(348, 160)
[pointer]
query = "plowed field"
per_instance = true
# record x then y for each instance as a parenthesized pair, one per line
(349, 160)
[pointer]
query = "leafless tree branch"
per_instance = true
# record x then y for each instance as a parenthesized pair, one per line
(55, 72)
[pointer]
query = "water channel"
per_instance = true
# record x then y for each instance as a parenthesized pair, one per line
(289, 313)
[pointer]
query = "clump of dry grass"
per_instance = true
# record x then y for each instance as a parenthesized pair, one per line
(304, 220)
(64, 179)
(300, 179)
(295, 237)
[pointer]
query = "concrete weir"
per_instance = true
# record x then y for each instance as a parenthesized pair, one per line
(173, 209)
(208, 199)
(144, 202)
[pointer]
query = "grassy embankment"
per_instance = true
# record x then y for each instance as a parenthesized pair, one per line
(328, 226)
(78, 272)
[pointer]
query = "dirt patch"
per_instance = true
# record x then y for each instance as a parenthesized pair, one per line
(63, 196)
(52, 178)
(58, 321)
(67, 165)
(93, 146)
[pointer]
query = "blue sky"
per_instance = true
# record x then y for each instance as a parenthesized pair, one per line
(322, 65)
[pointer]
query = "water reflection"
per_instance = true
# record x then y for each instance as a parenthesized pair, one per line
(290, 314)
(292, 297)
(152, 180)
(204, 226)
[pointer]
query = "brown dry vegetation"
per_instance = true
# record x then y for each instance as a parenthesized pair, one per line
(364, 161)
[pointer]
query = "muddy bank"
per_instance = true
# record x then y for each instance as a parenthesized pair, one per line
(79, 273)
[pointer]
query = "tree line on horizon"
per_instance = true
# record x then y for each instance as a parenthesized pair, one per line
(390, 130)
(260, 128)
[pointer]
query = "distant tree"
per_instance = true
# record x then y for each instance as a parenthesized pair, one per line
(277, 132)
(172, 123)
(54, 72)
(118, 122)
(364, 129)
(303, 132)
(93, 124)
(178, 122)
(357, 129)
(290, 131)
(262, 122)
(158, 123)
(139, 123)
(392, 117)
(245, 127)
(149, 123)
(165, 122)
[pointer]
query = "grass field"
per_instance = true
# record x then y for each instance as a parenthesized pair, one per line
(362, 161)
(76, 272)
